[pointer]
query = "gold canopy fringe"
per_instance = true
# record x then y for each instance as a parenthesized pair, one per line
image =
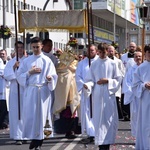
(53, 21)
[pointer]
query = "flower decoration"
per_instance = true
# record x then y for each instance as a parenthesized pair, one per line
(72, 42)
(115, 45)
(5, 32)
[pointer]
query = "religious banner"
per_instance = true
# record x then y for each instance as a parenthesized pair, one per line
(72, 20)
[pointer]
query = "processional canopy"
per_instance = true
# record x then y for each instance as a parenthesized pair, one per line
(71, 20)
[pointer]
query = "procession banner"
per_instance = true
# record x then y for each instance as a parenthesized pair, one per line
(72, 20)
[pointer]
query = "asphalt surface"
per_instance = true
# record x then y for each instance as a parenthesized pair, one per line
(124, 141)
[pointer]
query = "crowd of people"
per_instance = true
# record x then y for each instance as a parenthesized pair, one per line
(93, 91)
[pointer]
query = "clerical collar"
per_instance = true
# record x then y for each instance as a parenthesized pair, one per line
(111, 57)
(4, 61)
(130, 55)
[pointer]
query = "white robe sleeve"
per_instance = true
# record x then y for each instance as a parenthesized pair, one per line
(114, 83)
(78, 77)
(128, 95)
(52, 73)
(22, 75)
(89, 81)
(9, 73)
(138, 85)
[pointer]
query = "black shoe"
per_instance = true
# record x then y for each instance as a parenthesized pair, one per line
(4, 125)
(32, 145)
(87, 140)
(126, 118)
(70, 135)
(24, 141)
(104, 147)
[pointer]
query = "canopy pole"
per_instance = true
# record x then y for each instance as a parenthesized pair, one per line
(16, 35)
(24, 1)
(89, 43)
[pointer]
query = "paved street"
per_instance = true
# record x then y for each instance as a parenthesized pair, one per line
(124, 141)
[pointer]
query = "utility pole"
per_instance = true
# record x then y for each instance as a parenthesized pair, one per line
(114, 21)
(4, 22)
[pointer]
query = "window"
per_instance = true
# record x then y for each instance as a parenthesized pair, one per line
(133, 38)
(11, 6)
(12, 42)
(22, 5)
(7, 5)
(28, 6)
(147, 39)
(7, 43)
(19, 5)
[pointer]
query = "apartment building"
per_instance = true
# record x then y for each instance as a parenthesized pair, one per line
(135, 34)
(114, 20)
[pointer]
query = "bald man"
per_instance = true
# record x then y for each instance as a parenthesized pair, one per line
(111, 54)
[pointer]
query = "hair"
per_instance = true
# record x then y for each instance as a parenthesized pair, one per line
(3, 50)
(138, 49)
(94, 46)
(19, 42)
(36, 40)
(47, 41)
(102, 46)
(147, 48)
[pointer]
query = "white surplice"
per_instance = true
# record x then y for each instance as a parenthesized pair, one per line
(141, 76)
(37, 95)
(130, 97)
(15, 124)
(128, 62)
(86, 120)
(3, 82)
(105, 113)
(122, 71)
(4, 85)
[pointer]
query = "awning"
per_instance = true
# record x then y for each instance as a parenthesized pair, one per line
(109, 16)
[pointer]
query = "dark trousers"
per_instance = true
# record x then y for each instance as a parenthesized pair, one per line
(125, 108)
(104, 147)
(70, 123)
(3, 113)
(35, 144)
(120, 113)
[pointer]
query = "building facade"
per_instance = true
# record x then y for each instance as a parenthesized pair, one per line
(114, 20)
(59, 38)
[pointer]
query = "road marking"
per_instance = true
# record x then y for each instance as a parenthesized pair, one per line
(73, 143)
(58, 145)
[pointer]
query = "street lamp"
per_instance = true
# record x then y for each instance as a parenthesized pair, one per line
(143, 9)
